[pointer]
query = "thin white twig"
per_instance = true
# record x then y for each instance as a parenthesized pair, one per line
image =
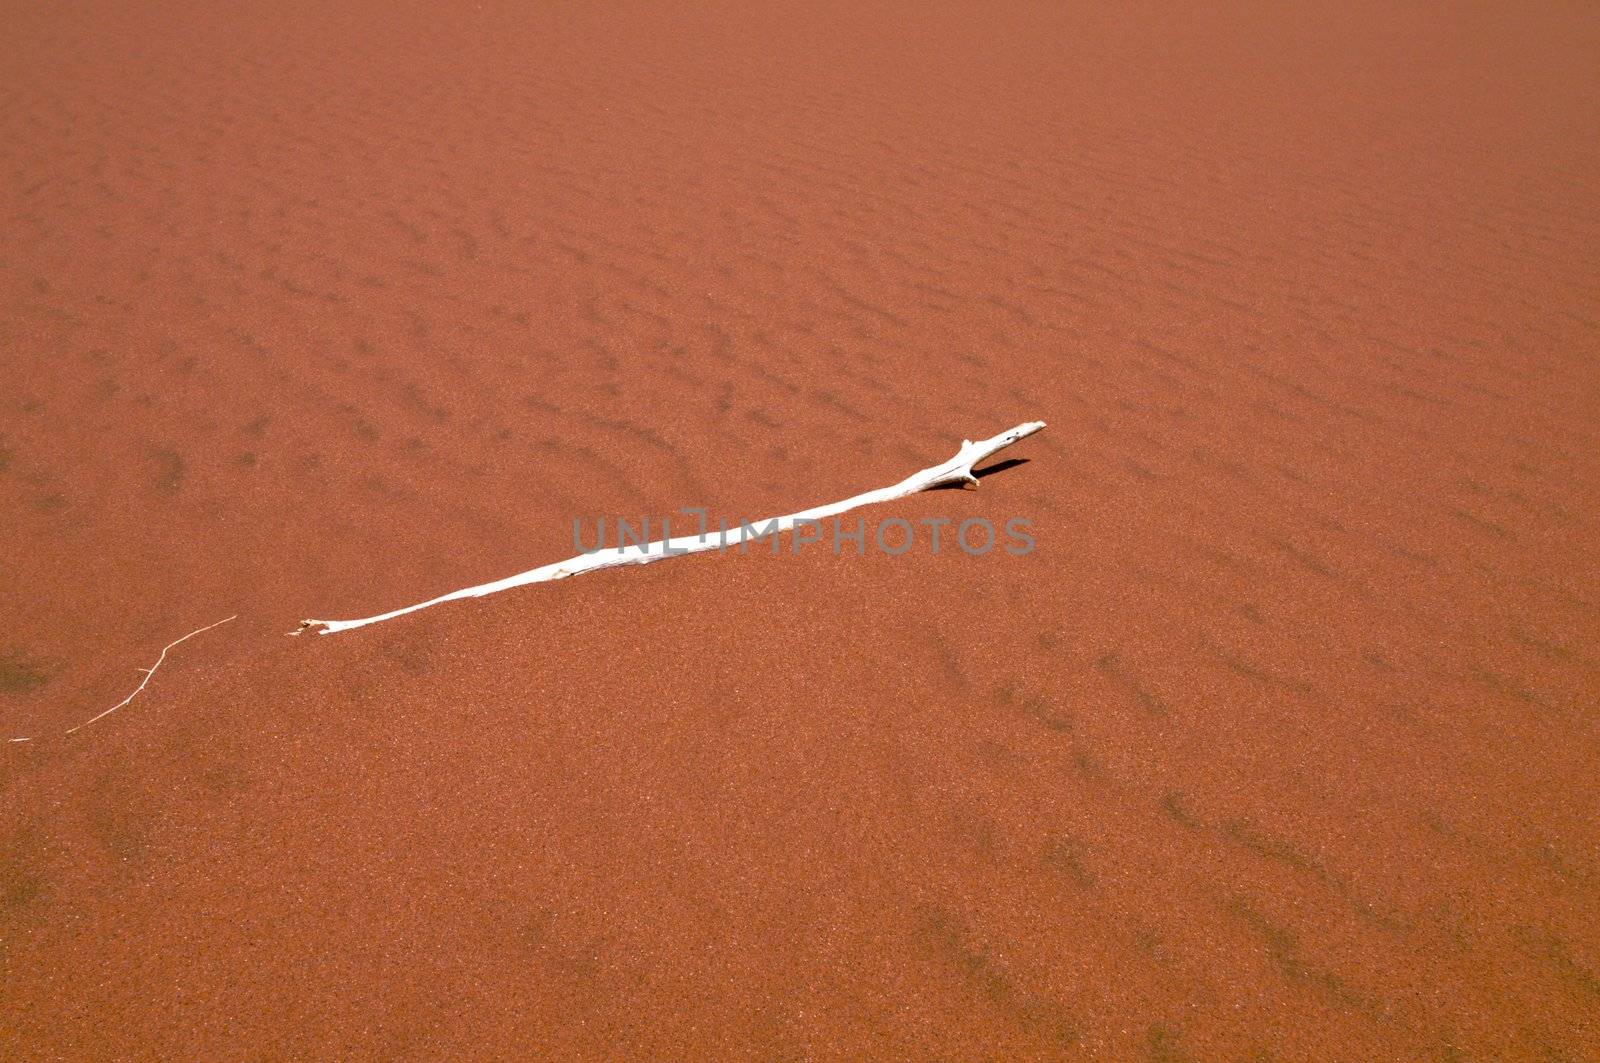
(148, 673)
(957, 470)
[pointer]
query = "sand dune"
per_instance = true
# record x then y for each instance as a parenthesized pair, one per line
(1280, 746)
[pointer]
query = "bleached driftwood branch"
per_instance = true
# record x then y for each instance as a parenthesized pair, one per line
(957, 470)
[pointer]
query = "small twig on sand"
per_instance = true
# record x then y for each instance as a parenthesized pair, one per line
(151, 671)
(148, 672)
(957, 470)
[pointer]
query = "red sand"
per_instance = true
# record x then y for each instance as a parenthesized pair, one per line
(1281, 746)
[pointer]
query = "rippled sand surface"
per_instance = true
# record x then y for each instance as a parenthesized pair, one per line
(1281, 745)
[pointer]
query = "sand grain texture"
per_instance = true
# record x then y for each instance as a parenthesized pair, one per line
(1281, 745)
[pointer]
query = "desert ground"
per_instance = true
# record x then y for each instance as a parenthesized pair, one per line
(1281, 745)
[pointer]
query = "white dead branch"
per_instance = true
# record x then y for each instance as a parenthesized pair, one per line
(957, 470)
(148, 672)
